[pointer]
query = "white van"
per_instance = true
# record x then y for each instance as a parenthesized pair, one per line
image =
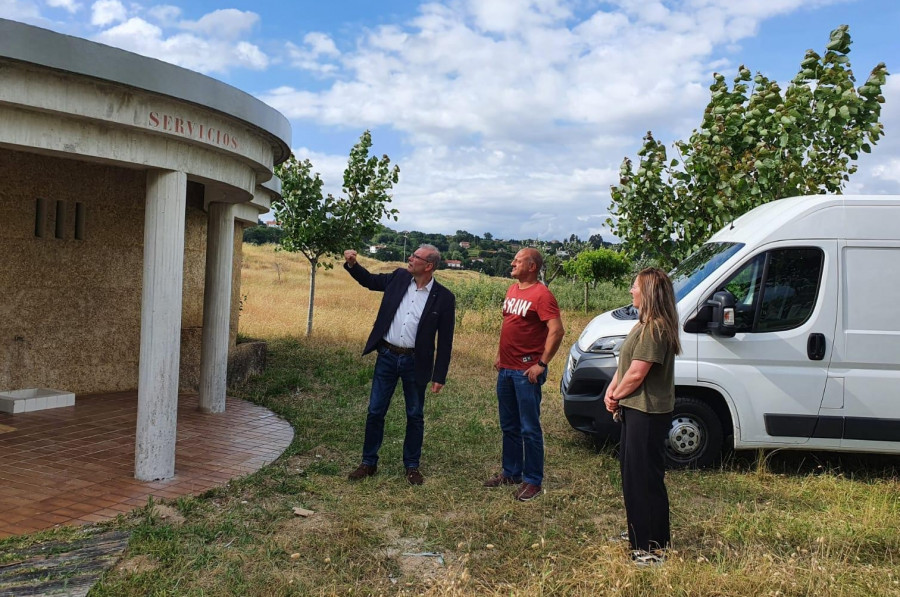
(790, 335)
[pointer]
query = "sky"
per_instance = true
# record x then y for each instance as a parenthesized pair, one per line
(505, 116)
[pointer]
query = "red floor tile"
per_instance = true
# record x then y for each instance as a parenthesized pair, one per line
(75, 465)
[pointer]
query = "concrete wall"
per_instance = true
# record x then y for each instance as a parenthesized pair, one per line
(70, 309)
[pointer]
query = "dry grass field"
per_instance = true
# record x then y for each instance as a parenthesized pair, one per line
(800, 524)
(806, 524)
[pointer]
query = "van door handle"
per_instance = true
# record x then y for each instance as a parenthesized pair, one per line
(815, 346)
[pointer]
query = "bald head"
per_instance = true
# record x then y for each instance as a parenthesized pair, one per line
(526, 265)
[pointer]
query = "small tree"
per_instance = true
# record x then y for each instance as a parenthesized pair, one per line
(553, 266)
(316, 225)
(595, 266)
(750, 149)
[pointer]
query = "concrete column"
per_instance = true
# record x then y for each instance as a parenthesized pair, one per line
(216, 307)
(154, 451)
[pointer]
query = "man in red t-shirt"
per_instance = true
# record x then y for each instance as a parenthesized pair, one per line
(531, 333)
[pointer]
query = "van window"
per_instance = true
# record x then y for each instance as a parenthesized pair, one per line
(696, 268)
(776, 290)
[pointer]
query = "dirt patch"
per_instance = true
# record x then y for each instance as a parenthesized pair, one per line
(168, 514)
(314, 522)
(137, 565)
(418, 563)
(300, 462)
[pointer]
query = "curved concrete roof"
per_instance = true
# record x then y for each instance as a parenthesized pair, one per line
(26, 43)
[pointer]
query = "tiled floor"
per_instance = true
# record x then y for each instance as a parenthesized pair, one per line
(75, 465)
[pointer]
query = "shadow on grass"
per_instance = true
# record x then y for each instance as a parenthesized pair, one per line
(791, 462)
(857, 466)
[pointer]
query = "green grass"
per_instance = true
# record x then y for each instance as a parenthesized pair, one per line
(805, 524)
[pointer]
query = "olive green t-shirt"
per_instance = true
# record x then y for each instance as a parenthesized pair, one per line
(656, 394)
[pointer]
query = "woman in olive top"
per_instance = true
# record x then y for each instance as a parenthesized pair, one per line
(643, 395)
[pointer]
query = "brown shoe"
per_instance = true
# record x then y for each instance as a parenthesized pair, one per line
(363, 471)
(414, 477)
(498, 480)
(527, 492)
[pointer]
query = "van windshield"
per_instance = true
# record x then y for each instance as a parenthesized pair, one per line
(693, 270)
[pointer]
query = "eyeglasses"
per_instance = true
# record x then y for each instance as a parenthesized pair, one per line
(419, 258)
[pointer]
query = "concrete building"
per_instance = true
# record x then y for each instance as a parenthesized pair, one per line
(126, 183)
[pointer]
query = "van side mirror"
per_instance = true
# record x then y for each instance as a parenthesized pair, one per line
(722, 322)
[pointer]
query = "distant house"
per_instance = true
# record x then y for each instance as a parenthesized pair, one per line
(465, 244)
(561, 253)
(478, 259)
(374, 248)
(454, 264)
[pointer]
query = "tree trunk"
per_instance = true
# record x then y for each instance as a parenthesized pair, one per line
(312, 295)
(585, 298)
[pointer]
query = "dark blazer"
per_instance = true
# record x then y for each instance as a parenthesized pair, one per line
(438, 319)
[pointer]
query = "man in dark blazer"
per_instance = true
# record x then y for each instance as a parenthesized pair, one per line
(415, 309)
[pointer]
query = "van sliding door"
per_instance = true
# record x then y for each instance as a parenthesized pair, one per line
(866, 363)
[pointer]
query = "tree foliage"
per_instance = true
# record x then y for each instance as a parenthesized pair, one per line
(754, 145)
(596, 266)
(316, 225)
(262, 234)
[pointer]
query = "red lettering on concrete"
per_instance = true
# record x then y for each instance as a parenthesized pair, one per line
(190, 129)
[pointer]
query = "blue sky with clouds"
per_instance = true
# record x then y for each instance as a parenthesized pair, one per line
(505, 116)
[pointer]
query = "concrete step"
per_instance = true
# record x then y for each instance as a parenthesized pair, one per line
(23, 401)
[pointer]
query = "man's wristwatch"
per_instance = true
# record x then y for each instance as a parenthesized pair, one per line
(542, 363)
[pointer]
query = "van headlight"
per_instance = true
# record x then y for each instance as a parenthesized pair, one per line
(608, 345)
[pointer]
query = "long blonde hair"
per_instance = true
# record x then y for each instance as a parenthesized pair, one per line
(658, 312)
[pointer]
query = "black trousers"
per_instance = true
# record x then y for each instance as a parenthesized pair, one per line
(643, 462)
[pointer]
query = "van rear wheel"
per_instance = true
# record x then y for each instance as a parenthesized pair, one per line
(695, 437)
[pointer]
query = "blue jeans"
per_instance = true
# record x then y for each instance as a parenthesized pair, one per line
(389, 368)
(519, 403)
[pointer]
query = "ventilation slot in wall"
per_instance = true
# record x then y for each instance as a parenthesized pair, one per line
(43, 206)
(40, 217)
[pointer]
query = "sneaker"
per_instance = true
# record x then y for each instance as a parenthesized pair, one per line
(413, 476)
(621, 537)
(647, 559)
(498, 480)
(363, 471)
(527, 492)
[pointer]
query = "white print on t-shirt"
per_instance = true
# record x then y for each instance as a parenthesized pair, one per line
(515, 306)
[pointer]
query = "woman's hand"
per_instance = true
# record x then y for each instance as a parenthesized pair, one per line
(612, 405)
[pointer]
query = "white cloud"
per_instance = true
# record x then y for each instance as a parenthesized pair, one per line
(107, 12)
(518, 114)
(69, 5)
(879, 172)
(165, 14)
(228, 23)
(320, 44)
(207, 54)
(316, 48)
(26, 11)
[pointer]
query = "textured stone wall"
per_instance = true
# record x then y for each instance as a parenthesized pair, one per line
(70, 310)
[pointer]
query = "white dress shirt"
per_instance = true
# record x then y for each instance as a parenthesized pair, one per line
(406, 320)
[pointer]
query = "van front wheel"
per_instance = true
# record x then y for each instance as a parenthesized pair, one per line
(695, 438)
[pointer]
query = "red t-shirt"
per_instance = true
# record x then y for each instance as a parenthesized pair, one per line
(524, 331)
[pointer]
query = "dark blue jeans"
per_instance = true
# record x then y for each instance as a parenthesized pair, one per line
(519, 403)
(389, 368)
